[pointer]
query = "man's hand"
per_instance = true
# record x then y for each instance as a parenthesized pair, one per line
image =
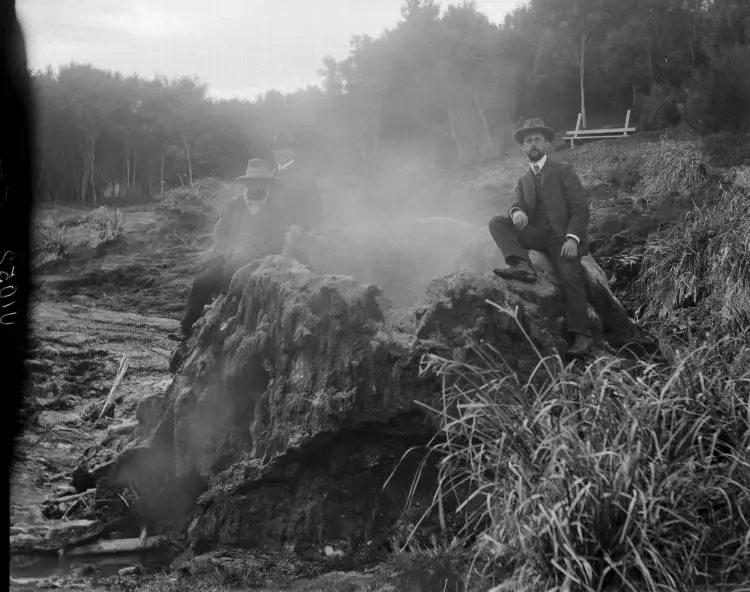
(570, 249)
(520, 219)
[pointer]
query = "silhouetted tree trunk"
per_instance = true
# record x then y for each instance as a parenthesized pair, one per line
(490, 143)
(452, 125)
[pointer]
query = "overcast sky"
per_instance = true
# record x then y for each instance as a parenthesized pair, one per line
(239, 47)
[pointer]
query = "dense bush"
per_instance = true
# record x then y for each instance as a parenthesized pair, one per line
(720, 98)
(661, 108)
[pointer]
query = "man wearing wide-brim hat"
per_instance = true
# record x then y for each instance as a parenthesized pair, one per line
(252, 225)
(550, 214)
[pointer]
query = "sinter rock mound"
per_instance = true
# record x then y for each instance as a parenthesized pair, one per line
(295, 400)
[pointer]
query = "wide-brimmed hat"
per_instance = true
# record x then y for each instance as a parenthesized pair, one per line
(257, 170)
(534, 125)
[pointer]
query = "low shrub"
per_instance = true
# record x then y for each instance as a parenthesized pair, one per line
(626, 176)
(720, 98)
(660, 109)
(424, 569)
(52, 239)
(194, 208)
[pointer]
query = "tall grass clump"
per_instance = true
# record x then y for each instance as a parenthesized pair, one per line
(672, 167)
(703, 263)
(51, 239)
(613, 476)
(105, 224)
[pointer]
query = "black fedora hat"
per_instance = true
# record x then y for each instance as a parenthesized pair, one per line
(534, 125)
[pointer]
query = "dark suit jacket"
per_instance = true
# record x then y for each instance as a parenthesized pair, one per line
(296, 189)
(564, 199)
(254, 236)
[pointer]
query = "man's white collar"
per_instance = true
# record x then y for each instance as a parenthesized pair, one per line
(539, 163)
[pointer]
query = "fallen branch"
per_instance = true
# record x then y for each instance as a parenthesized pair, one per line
(111, 396)
(70, 508)
(69, 498)
(121, 497)
(123, 428)
(106, 547)
(60, 428)
(161, 351)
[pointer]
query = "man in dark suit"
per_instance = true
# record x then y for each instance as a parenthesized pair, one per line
(251, 226)
(296, 184)
(278, 195)
(550, 214)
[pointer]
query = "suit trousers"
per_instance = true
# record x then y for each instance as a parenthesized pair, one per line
(515, 244)
(211, 282)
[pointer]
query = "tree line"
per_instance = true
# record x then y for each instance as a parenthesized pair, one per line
(445, 87)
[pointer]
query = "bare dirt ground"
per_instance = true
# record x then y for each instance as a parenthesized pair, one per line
(88, 312)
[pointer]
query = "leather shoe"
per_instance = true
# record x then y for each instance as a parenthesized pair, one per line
(521, 271)
(581, 345)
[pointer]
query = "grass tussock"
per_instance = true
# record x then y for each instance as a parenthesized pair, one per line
(105, 225)
(672, 167)
(213, 578)
(612, 476)
(652, 170)
(52, 239)
(702, 263)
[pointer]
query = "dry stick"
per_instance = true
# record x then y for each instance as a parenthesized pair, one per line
(117, 546)
(70, 508)
(123, 427)
(118, 379)
(69, 498)
(122, 497)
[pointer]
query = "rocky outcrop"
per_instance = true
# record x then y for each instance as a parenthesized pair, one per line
(299, 393)
(609, 316)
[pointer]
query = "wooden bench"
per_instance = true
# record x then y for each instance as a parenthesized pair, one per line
(598, 134)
